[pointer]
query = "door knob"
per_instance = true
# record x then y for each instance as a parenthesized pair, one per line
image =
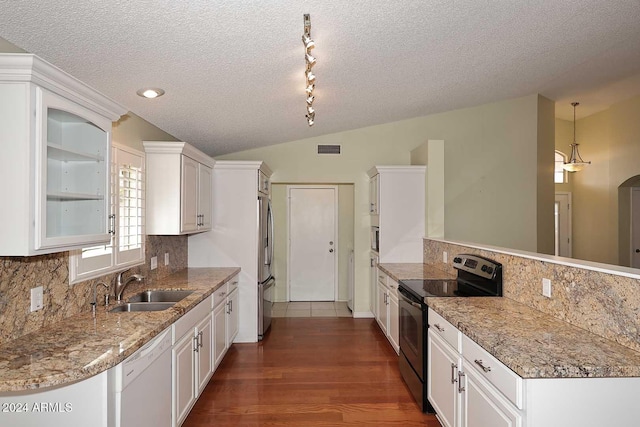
(330, 250)
(637, 250)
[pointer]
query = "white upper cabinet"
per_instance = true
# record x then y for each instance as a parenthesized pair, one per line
(397, 206)
(179, 183)
(55, 139)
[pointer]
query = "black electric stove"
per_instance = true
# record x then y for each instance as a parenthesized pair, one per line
(477, 277)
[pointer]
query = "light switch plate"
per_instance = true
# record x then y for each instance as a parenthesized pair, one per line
(166, 258)
(154, 262)
(37, 298)
(546, 288)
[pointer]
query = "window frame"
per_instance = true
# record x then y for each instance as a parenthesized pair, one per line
(557, 170)
(112, 261)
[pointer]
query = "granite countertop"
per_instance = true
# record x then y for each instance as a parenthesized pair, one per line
(534, 344)
(81, 346)
(406, 271)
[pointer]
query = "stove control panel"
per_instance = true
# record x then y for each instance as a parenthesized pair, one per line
(477, 265)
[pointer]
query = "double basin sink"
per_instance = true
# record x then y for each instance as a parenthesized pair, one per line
(152, 301)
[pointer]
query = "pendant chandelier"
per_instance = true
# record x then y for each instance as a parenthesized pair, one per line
(575, 163)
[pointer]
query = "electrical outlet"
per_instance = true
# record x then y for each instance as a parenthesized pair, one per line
(166, 258)
(546, 288)
(37, 298)
(154, 262)
(445, 257)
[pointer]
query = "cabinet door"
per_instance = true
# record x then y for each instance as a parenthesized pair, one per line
(73, 187)
(188, 195)
(184, 371)
(220, 333)
(382, 308)
(204, 352)
(204, 197)
(232, 317)
(394, 322)
(374, 195)
(442, 380)
(373, 277)
(483, 406)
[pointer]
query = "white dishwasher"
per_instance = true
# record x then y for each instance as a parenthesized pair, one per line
(141, 386)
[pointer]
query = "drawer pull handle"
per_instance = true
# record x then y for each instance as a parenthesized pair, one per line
(454, 367)
(438, 327)
(484, 368)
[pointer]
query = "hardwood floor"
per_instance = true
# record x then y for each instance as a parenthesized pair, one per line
(310, 372)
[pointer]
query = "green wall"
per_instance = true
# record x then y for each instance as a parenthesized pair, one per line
(481, 176)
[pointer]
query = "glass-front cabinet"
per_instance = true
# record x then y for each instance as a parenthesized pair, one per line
(55, 145)
(74, 195)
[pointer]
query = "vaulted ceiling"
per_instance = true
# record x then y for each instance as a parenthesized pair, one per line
(233, 69)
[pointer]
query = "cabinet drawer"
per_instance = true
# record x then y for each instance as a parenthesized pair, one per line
(382, 278)
(187, 322)
(494, 371)
(393, 287)
(232, 285)
(220, 295)
(445, 330)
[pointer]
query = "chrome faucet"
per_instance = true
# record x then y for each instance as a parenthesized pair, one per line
(120, 286)
(95, 296)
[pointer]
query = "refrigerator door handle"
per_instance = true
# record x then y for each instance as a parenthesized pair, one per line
(269, 257)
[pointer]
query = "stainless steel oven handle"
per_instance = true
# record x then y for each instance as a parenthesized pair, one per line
(408, 301)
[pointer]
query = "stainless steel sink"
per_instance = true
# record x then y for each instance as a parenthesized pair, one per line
(159, 296)
(142, 306)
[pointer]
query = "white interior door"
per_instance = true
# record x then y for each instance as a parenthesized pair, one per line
(635, 227)
(562, 212)
(312, 243)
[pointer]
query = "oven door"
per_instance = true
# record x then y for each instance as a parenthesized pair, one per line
(412, 332)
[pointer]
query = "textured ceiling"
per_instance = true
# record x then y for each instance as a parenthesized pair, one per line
(233, 69)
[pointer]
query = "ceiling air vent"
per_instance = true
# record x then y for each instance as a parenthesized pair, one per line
(328, 149)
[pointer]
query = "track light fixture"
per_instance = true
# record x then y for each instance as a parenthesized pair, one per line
(310, 61)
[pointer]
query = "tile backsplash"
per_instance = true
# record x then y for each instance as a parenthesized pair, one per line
(61, 300)
(605, 304)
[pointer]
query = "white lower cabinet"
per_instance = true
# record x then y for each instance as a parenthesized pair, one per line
(442, 387)
(201, 339)
(381, 315)
(373, 266)
(483, 406)
(232, 315)
(220, 341)
(387, 311)
(468, 387)
(191, 359)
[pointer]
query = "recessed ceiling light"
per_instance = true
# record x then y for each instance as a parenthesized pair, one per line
(150, 92)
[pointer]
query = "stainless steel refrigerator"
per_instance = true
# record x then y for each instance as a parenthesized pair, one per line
(266, 281)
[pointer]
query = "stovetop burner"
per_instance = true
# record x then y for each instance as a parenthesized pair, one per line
(431, 288)
(477, 276)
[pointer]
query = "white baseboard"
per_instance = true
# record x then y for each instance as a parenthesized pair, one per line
(363, 315)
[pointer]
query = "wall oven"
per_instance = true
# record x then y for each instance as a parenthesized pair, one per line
(477, 276)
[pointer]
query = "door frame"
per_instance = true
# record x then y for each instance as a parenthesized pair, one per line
(335, 233)
(567, 194)
(635, 192)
